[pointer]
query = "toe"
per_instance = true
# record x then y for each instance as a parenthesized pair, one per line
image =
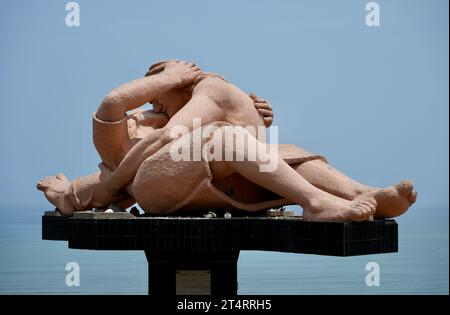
(61, 176)
(370, 203)
(361, 211)
(43, 182)
(358, 213)
(373, 202)
(405, 187)
(369, 210)
(372, 211)
(366, 206)
(48, 179)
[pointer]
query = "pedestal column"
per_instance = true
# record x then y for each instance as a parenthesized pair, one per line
(192, 273)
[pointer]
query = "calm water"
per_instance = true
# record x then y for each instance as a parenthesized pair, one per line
(29, 265)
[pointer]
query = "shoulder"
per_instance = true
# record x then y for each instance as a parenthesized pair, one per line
(216, 88)
(211, 82)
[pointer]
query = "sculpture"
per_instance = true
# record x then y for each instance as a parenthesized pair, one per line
(137, 166)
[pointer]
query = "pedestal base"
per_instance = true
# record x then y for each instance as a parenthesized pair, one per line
(187, 273)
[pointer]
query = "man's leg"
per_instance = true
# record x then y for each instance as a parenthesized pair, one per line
(317, 204)
(329, 179)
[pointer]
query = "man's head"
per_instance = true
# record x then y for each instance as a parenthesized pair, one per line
(173, 100)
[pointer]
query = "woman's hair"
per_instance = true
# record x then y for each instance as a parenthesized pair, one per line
(156, 68)
(159, 67)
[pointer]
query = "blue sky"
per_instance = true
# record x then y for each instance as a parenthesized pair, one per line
(374, 101)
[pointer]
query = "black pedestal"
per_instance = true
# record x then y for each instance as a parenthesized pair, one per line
(187, 273)
(196, 255)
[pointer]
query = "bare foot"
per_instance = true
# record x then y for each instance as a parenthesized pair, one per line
(340, 210)
(392, 201)
(56, 190)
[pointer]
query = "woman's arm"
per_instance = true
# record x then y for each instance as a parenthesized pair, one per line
(138, 92)
(200, 107)
(111, 134)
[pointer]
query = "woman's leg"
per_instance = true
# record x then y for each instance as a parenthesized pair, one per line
(317, 204)
(82, 193)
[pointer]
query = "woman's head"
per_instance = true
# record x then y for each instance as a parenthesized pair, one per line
(173, 100)
(160, 66)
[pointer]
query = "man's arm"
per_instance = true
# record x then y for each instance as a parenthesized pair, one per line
(199, 106)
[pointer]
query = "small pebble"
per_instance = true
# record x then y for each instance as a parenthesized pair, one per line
(210, 215)
(109, 211)
(227, 215)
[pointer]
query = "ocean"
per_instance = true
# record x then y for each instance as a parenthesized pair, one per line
(29, 265)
